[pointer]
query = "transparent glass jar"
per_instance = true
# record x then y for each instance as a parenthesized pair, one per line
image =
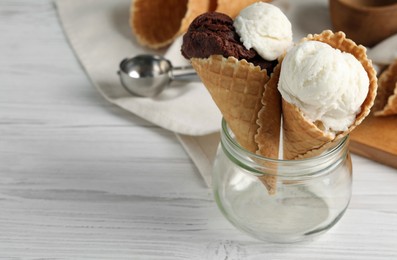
(311, 195)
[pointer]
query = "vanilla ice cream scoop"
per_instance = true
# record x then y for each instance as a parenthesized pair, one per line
(265, 28)
(327, 85)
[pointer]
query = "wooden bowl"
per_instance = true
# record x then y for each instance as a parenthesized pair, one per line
(367, 22)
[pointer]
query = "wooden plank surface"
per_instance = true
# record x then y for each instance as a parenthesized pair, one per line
(82, 179)
(376, 139)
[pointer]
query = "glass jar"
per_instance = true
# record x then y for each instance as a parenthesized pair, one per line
(310, 195)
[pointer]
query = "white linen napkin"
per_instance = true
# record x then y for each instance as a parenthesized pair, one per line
(384, 52)
(99, 33)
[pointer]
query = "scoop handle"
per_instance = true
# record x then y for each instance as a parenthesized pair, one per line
(184, 73)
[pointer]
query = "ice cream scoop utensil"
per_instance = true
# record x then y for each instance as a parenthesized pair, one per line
(148, 75)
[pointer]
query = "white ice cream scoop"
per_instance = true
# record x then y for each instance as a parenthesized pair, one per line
(265, 28)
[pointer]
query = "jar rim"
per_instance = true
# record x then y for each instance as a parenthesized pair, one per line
(328, 155)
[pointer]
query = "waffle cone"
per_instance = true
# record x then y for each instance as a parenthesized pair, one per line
(156, 23)
(236, 87)
(302, 138)
(232, 8)
(269, 122)
(269, 118)
(386, 99)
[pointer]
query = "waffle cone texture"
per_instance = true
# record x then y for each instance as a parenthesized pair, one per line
(269, 123)
(249, 102)
(236, 86)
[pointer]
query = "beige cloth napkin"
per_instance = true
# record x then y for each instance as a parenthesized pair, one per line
(99, 33)
(384, 52)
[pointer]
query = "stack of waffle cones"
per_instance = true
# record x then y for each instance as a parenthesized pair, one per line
(252, 106)
(157, 23)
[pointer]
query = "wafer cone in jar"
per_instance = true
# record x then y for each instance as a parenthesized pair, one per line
(269, 118)
(269, 123)
(236, 87)
(302, 138)
(240, 91)
(386, 99)
(157, 23)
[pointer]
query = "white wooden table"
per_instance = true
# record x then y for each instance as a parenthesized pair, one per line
(82, 179)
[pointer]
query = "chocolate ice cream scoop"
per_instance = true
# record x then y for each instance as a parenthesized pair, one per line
(212, 33)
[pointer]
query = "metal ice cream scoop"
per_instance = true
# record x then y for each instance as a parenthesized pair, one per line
(148, 75)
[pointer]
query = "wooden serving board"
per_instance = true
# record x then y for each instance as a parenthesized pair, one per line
(376, 139)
